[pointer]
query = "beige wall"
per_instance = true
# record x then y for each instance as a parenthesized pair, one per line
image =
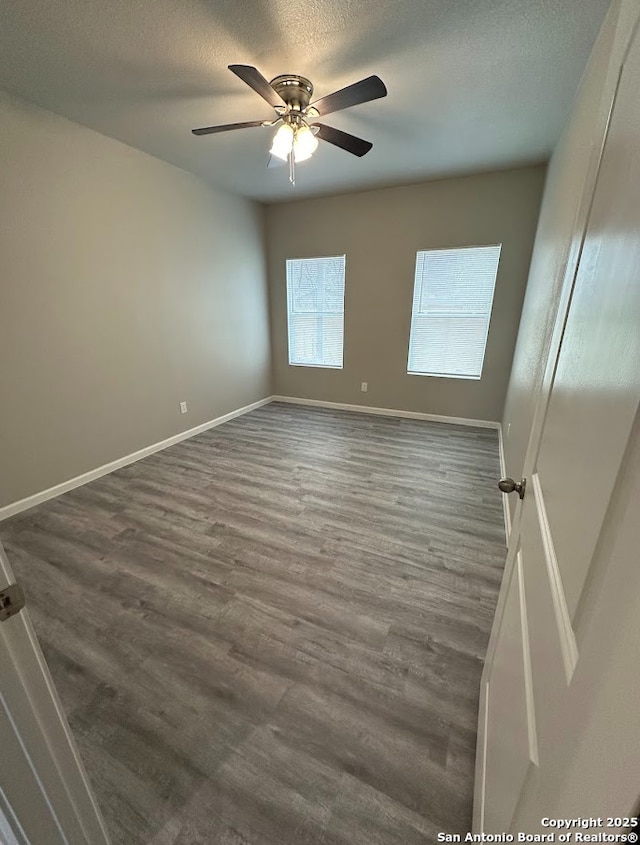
(562, 218)
(380, 232)
(126, 286)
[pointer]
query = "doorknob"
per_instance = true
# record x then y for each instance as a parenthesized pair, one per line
(508, 485)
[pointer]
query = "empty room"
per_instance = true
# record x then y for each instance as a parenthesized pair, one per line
(319, 422)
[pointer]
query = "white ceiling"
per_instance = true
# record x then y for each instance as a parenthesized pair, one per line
(473, 84)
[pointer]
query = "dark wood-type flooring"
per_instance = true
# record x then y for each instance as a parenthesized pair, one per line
(273, 633)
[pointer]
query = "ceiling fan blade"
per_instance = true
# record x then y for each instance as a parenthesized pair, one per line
(211, 130)
(343, 139)
(256, 80)
(371, 88)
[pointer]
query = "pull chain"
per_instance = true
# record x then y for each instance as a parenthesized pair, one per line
(292, 168)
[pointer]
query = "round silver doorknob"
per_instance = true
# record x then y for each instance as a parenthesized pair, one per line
(508, 485)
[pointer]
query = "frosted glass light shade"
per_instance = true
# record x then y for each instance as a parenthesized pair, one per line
(282, 142)
(304, 144)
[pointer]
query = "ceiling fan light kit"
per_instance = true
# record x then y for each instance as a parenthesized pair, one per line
(296, 138)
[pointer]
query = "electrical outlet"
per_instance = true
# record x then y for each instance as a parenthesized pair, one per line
(364, 386)
(183, 407)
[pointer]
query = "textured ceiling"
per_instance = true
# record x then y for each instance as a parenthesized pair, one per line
(473, 84)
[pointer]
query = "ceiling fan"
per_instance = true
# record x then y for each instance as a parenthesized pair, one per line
(290, 95)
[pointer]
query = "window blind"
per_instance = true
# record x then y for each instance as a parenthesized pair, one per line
(452, 300)
(315, 310)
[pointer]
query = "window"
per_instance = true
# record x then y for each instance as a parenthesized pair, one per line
(315, 310)
(452, 299)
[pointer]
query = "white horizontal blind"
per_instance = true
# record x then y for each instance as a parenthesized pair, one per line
(315, 309)
(452, 300)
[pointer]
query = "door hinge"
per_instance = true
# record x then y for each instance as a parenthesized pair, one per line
(11, 601)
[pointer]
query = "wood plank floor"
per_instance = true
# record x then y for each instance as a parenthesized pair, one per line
(273, 633)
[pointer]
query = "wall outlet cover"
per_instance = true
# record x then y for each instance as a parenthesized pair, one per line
(183, 407)
(364, 386)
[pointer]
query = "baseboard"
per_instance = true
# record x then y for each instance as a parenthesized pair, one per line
(505, 499)
(388, 412)
(37, 499)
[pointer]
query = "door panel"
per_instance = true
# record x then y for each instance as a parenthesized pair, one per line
(548, 665)
(597, 381)
(579, 449)
(42, 781)
(511, 736)
(34, 819)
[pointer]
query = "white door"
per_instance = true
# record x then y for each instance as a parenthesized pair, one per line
(44, 793)
(574, 534)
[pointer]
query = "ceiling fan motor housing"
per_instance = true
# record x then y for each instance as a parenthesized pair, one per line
(295, 90)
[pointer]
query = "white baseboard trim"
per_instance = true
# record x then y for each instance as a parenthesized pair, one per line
(387, 412)
(37, 499)
(505, 499)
